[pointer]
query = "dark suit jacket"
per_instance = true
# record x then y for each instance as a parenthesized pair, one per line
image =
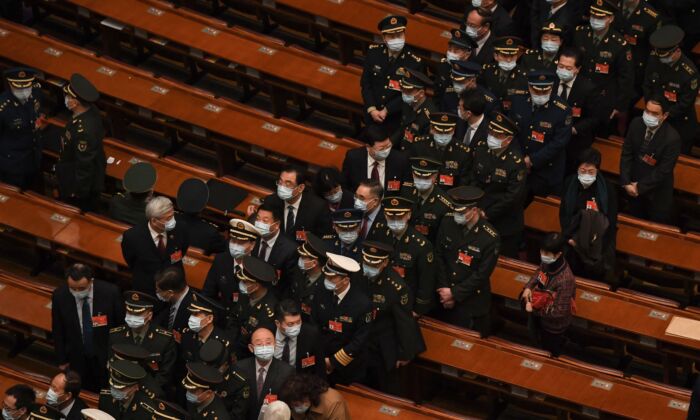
(308, 345)
(312, 215)
(283, 256)
(201, 234)
(65, 325)
(568, 16)
(485, 55)
(181, 316)
(277, 373)
(355, 168)
(74, 413)
(502, 22)
(144, 260)
(584, 113)
(481, 132)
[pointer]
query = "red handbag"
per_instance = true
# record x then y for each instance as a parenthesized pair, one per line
(542, 299)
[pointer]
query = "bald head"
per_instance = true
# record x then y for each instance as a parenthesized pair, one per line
(262, 337)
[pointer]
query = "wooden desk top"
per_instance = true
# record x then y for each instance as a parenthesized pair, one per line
(424, 32)
(21, 302)
(178, 101)
(19, 210)
(457, 348)
(235, 45)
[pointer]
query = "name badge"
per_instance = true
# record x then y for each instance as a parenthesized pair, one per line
(270, 398)
(591, 205)
(335, 326)
(394, 85)
(602, 68)
(464, 258)
(99, 321)
(448, 180)
(423, 229)
(671, 96)
(301, 235)
(308, 362)
(176, 256)
(631, 39)
(393, 185)
(408, 135)
(649, 160)
(401, 271)
(234, 296)
(537, 136)
(576, 111)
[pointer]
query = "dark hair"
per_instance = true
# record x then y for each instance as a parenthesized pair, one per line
(326, 179)
(486, 16)
(171, 278)
(375, 187)
(300, 176)
(373, 133)
(591, 156)
(553, 242)
(303, 385)
(661, 101)
(474, 101)
(78, 270)
(287, 307)
(573, 53)
(73, 383)
(24, 394)
(274, 209)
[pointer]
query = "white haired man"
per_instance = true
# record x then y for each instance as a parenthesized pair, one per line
(154, 244)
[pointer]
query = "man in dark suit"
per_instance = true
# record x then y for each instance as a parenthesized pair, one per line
(368, 198)
(63, 394)
(502, 22)
(274, 248)
(297, 342)
(649, 154)
(303, 210)
(565, 13)
(192, 197)
(472, 126)
(264, 374)
(578, 92)
(377, 160)
(154, 244)
(82, 313)
(172, 289)
(478, 26)
(329, 185)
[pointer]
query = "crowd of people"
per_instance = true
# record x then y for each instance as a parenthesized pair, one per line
(324, 281)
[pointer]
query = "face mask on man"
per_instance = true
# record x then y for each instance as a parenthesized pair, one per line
(442, 139)
(396, 225)
(52, 397)
(452, 56)
(408, 99)
(302, 265)
(598, 24)
(348, 237)
(134, 321)
(82, 294)
(292, 331)
(329, 285)
(284, 192)
(262, 227)
(191, 397)
(565, 75)
(472, 32)
(236, 250)
(264, 352)
(460, 218)
(369, 271)
(458, 88)
(650, 120)
(422, 184)
(66, 102)
(118, 394)
(540, 100)
(243, 288)
(550, 47)
(493, 143)
(22, 94)
(382, 154)
(547, 259)
(170, 224)
(301, 409)
(476, 3)
(195, 323)
(335, 197)
(506, 65)
(360, 204)
(396, 44)
(586, 179)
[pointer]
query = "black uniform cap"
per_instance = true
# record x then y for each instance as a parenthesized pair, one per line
(140, 178)
(501, 124)
(256, 270)
(313, 247)
(415, 80)
(213, 352)
(192, 195)
(397, 205)
(443, 121)
(666, 39)
(81, 88)
(123, 373)
(392, 24)
(138, 301)
(44, 412)
(509, 45)
(130, 352)
(347, 218)
(465, 197)
(374, 252)
(201, 376)
(424, 166)
(553, 28)
(164, 410)
(603, 8)
(462, 40)
(20, 77)
(464, 69)
(541, 78)
(201, 303)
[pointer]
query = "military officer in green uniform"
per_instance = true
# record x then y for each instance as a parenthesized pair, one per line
(125, 394)
(413, 256)
(305, 286)
(467, 252)
(202, 401)
(415, 111)
(81, 162)
(130, 207)
(607, 62)
(192, 198)
(140, 330)
(636, 22)
(459, 47)
(672, 75)
(232, 390)
(44, 412)
(499, 170)
(545, 58)
(505, 77)
(430, 203)
(440, 145)
(256, 307)
(395, 338)
(203, 325)
(142, 357)
(385, 64)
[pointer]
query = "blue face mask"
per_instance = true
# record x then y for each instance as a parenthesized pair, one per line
(540, 99)
(284, 192)
(597, 24)
(396, 226)
(460, 218)
(329, 285)
(360, 204)
(262, 227)
(408, 99)
(650, 120)
(169, 225)
(369, 271)
(236, 250)
(550, 47)
(565, 75)
(191, 397)
(441, 139)
(118, 394)
(348, 237)
(335, 197)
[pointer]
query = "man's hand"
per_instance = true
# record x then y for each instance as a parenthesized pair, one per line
(384, 113)
(527, 295)
(573, 131)
(572, 242)
(631, 189)
(415, 314)
(445, 294)
(378, 116)
(401, 363)
(528, 162)
(329, 366)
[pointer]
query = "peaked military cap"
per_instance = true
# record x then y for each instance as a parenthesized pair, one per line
(130, 352)
(192, 195)
(201, 303)
(139, 178)
(164, 410)
(541, 78)
(424, 166)
(465, 197)
(347, 218)
(138, 301)
(95, 414)
(20, 77)
(44, 412)
(339, 265)
(391, 24)
(464, 69)
(374, 252)
(213, 352)
(242, 230)
(201, 376)
(256, 270)
(603, 8)
(553, 28)
(462, 40)
(81, 88)
(397, 205)
(501, 124)
(666, 39)
(508, 45)
(415, 80)
(313, 247)
(443, 121)
(123, 373)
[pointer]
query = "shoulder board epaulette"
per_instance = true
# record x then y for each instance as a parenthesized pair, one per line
(488, 98)
(328, 236)
(415, 57)
(443, 60)
(407, 184)
(105, 392)
(490, 231)
(488, 66)
(420, 138)
(560, 104)
(520, 92)
(687, 68)
(36, 85)
(372, 46)
(445, 202)
(651, 12)
(397, 286)
(117, 329)
(164, 332)
(427, 112)
(579, 27)
(463, 147)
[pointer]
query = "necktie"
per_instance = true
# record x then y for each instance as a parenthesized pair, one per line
(467, 135)
(285, 350)
(363, 229)
(87, 327)
(263, 250)
(161, 244)
(261, 380)
(171, 317)
(375, 171)
(138, 339)
(290, 219)
(564, 91)
(647, 137)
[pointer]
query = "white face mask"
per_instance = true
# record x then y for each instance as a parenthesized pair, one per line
(262, 227)
(586, 179)
(52, 397)
(507, 65)
(194, 323)
(460, 218)
(302, 265)
(668, 59)
(565, 75)
(264, 352)
(422, 184)
(360, 204)
(66, 101)
(161, 298)
(547, 259)
(329, 285)
(118, 394)
(243, 288)
(301, 409)
(236, 250)
(598, 24)
(452, 56)
(540, 99)
(292, 331)
(22, 94)
(550, 47)
(81, 294)
(396, 226)
(458, 88)
(348, 237)
(335, 197)
(650, 120)
(476, 3)
(382, 154)
(169, 225)
(493, 143)
(191, 397)
(441, 139)
(369, 271)
(396, 44)
(408, 99)
(472, 32)
(284, 192)
(134, 321)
